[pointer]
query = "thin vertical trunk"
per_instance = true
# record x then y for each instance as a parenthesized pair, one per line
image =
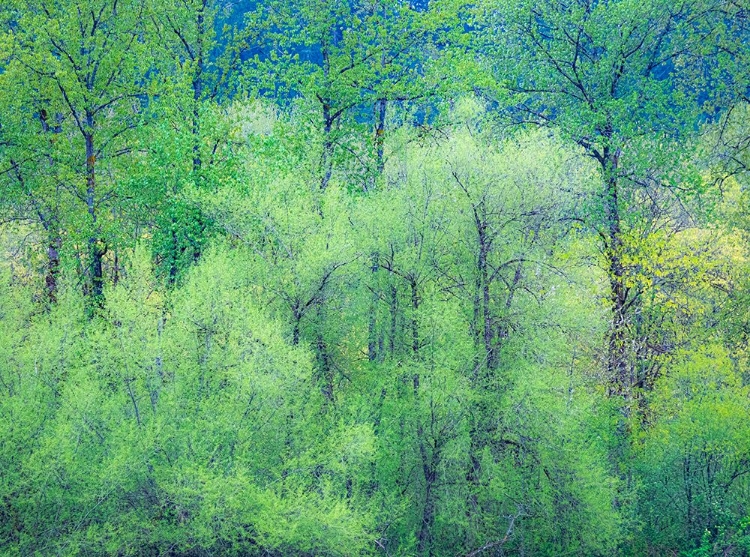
(198, 91)
(487, 335)
(393, 306)
(483, 295)
(53, 265)
(49, 222)
(380, 111)
(297, 315)
(116, 267)
(172, 277)
(328, 121)
(372, 326)
(47, 216)
(476, 327)
(97, 249)
(429, 471)
(327, 155)
(415, 327)
(618, 367)
(381, 106)
(482, 330)
(326, 369)
(414, 318)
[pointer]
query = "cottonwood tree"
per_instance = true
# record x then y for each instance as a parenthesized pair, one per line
(197, 48)
(89, 63)
(604, 75)
(31, 175)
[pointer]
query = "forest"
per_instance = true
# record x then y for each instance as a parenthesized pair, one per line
(375, 277)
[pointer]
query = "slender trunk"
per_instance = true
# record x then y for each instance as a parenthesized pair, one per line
(116, 270)
(97, 249)
(484, 295)
(198, 92)
(326, 369)
(414, 317)
(429, 470)
(372, 326)
(476, 327)
(295, 329)
(53, 265)
(618, 367)
(415, 327)
(327, 156)
(393, 306)
(381, 106)
(488, 335)
(134, 402)
(155, 388)
(328, 121)
(51, 225)
(173, 251)
(54, 242)
(380, 111)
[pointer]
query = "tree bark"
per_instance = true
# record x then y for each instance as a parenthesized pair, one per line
(381, 106)
(198, 91)
(429, 470)
(372, 326)
(53, 265)
(414, 317)
(617, 361)
(327, 155)
(393, 308)
(97, 249)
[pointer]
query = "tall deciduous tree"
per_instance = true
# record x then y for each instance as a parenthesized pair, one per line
(31, 174)
(197, 53)
(604, 74)
(87, 60)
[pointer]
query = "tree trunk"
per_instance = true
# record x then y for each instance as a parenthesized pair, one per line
(297, 314)
(482, 295)
(381, 106)
(198, 92)
(414, 317)
(617, 364)
(372, 326)
(393, 306)
(429, 470)
(327, 155)
(97, 250)
(326, 369)
(53, 265)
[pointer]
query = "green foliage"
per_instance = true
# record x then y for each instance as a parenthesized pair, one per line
(191, 428)
(695, 458)
(374, 277)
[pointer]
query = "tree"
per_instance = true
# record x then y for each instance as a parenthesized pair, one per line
(89, 63)
(603, 74)
(32, 186)
(345, 60)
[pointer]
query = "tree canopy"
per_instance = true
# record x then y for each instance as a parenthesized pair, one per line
(374, 277)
